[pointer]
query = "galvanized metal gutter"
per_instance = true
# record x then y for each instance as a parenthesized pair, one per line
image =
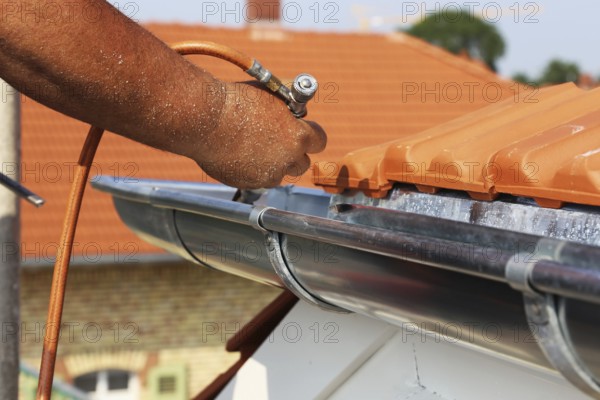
(454, 278)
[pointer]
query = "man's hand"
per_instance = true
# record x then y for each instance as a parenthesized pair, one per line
(257, 140)
(114, 74)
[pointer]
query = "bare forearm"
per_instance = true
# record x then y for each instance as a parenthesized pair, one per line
(108, 71)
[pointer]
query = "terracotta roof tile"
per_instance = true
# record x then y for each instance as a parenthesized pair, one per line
(374, 88)
(545, 147)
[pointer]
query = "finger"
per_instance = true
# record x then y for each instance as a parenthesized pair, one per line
(298, 167)
(315, 138)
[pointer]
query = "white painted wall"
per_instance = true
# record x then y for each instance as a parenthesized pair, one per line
(314, 354)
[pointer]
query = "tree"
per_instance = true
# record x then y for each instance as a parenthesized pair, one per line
(556, 72)
(559, 71)
(458, 31)
(523, 78)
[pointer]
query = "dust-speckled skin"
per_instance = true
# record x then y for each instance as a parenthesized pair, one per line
(106, 70)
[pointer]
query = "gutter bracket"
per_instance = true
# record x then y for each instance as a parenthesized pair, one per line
(542, 311)
(280, 266)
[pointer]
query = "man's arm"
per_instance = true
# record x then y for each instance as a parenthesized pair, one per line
(112, 73)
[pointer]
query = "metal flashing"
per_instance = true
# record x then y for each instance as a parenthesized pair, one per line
(397, 266)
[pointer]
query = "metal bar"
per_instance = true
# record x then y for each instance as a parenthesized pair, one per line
(566, 280)
(479, 260)
(21, 190)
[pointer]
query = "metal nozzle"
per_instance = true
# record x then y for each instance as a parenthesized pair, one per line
(304, 88)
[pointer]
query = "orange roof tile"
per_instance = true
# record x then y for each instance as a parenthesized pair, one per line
(373, 89)
(546, 147)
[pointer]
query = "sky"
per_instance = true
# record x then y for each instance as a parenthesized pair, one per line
(534, 31)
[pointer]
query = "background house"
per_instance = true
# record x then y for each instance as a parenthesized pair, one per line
(138, 321)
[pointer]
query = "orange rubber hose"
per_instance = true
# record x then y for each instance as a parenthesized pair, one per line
(214, 50)
(61, 266)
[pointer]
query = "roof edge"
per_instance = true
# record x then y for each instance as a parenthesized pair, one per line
(442, 55)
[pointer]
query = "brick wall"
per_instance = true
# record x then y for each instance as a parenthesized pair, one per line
(137, 316)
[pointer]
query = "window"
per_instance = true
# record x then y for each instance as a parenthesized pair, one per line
(118, 380)
(87, 382)
(109, 384)
(168, 382)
